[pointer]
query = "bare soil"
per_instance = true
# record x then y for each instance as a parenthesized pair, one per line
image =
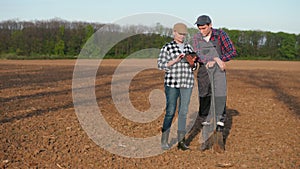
(39, 127)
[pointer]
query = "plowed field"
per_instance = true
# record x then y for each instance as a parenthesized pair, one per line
(39, 127)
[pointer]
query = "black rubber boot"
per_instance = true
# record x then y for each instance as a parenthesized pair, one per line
(181, 142)
(204, 106)
(164, 140)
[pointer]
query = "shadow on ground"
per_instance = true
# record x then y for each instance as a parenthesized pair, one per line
(196, 129)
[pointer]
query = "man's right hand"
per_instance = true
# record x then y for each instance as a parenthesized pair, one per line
(210, 64)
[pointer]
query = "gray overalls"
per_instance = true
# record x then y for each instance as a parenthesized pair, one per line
(208, 50)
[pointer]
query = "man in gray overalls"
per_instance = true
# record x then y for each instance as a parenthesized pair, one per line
(214, 48)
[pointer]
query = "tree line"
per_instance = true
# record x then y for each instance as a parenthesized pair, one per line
(56, 38)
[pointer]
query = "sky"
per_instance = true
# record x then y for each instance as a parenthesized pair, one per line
(264, 15)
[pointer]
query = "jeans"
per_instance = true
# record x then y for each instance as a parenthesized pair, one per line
(172, 95)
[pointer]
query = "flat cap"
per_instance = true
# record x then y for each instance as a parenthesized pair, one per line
(203, 20)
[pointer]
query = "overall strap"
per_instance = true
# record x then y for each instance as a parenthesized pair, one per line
(216, 42)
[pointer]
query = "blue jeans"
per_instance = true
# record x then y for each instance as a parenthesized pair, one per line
(172, 95)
